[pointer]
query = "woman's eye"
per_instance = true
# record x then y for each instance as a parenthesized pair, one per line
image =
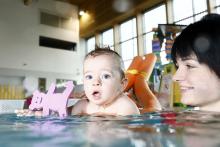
(177, 66)
(190, 66)
(88, 77)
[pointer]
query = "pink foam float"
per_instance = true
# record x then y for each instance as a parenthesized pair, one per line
(51, 101)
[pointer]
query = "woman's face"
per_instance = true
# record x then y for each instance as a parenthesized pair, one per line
(199, 85)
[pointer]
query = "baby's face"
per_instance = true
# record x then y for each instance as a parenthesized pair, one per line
(102, 81)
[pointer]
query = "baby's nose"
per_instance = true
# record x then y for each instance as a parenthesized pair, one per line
(96, 82)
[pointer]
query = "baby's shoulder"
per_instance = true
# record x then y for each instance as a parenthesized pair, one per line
(126, 106)
(124, 99)
(124, 102)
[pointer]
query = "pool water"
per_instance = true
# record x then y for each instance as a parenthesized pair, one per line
(164, 129)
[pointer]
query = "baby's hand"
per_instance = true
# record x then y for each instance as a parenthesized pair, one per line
(27, 112)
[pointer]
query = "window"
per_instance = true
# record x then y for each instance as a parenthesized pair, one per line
(188, 11)
(90, 44)
(108, 39)
(128, 41)
(56, 43)
(217, 6)
(56, 21)
(151, 20)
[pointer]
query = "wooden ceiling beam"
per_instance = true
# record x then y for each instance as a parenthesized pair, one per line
(102, 14)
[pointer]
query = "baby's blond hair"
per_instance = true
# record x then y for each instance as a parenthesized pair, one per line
(107, 51)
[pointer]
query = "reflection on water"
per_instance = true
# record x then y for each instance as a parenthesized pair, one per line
(165, 129)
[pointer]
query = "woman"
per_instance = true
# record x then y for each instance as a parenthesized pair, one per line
(196, 54)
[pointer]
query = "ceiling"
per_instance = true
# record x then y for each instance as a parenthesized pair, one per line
(78, 2)
(103, 14)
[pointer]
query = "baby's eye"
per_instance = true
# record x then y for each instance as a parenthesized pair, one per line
(88, 77)
(105, 76)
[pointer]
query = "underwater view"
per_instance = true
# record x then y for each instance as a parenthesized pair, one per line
(164, 129)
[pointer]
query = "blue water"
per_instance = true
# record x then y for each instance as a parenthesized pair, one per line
(165, 129)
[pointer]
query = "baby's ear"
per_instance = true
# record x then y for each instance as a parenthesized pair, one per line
(124, 82)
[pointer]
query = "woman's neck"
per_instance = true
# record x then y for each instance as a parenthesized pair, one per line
(214, 106)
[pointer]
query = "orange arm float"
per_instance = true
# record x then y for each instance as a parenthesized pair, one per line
(132, 71)
(147, 66)
(145, 96)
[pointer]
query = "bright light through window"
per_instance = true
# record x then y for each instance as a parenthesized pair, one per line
(218, 6)
(128, 39)
(128, 30)
(90, 44)
(108, 39)
(182, 9)
(148, 42)
(189, 11)
(186, 21)
(154, 17)
(199, 5)
(151, 20)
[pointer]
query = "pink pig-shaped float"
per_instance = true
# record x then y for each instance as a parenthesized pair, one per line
(36, 102)
(51, 101)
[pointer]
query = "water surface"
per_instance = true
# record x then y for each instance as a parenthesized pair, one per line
(164, 129)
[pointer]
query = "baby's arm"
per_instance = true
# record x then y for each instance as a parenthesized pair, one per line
(80, 107)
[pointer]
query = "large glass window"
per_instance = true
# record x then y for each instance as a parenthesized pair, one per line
(90, 44)
(128, 41)
(151, 20)
(108, 39)
(217, 6)
(188, 11)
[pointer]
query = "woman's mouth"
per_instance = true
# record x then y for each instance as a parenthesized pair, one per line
(186, 89)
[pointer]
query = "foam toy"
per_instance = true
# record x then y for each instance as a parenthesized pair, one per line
(36, 102)
(145, 96)
(51, 101)
(132, 71)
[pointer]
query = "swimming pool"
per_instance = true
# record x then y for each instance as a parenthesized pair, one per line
(165, 129)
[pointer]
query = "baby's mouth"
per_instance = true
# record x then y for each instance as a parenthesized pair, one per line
(96, 94)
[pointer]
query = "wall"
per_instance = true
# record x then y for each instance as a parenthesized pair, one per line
(20, 53)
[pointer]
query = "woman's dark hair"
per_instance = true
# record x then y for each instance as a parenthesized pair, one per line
(201, 38)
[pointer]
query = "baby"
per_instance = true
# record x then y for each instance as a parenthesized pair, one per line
(104, 82)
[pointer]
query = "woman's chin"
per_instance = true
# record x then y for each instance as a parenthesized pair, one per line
(188, 101)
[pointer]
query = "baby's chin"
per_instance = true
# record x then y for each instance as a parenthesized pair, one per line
(97, 102)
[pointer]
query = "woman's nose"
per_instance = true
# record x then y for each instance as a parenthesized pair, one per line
(179, 75)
